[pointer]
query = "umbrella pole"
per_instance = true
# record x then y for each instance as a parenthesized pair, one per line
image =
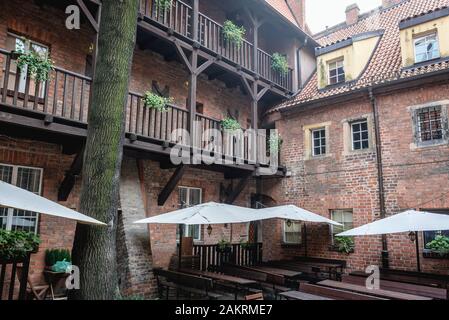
(418, 262)
(305, 240)
(181, 233)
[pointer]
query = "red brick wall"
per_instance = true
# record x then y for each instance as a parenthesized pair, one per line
(413, 178)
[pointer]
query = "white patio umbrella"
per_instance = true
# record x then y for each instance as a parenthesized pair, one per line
(205, 214)
(410, 221)
(17, 198)
(292, 212)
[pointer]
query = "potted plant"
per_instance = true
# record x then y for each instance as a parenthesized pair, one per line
(224, 246)
(57, 260)
(279, 63)
(38, 66)
(245, 245)
(163, 4)
(439, 245)
(16, 245)
(233, 33)
(153, 101)
(230, 124)
(344, 244)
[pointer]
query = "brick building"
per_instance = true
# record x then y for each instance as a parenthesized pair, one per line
(181, 54)
(367, 136)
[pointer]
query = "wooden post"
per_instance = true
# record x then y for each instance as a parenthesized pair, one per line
(255, 46)
(195, 20)
(191, 101)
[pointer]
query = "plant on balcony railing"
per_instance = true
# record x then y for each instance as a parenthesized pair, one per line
(156, 102)
(344, 244)
(38, 66)
(233, 33)
(224, 246)
(230, 124)
(439, 245)
(163, 4)
(17, 244)
(279, 63)
(275, 142)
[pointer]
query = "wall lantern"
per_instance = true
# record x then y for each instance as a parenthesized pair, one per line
(289, 223)
(412, 236)
(209, 230)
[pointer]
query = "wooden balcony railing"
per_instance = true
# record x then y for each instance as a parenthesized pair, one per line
(179, 18)
(243, 255)
(66, 95)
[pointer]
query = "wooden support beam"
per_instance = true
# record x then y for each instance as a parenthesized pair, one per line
(171, 185)
(95, 24)
(238, 189)
(69, 181)
(183, 57)
(204, 66)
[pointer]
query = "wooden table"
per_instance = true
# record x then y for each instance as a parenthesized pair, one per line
(236, 281)
(282, 272)
(53, 278)
(297, 295)
(379, 293)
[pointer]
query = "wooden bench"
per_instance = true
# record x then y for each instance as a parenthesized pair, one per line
(435, 293)
(393, 295)
(298, 295)
(335, 294)
(187, 283)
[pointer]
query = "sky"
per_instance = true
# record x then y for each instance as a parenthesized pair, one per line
(322, 13)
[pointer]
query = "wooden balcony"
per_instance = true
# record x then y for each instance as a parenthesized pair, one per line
(179, 19)
(64, 100)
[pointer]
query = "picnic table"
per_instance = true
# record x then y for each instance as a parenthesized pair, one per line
(297, 295)
(379, 293)
(236, 281)
(282, 272)
(329, 267)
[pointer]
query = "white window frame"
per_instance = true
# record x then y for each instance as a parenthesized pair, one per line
(186, 229)
(10, 211)
(332, 227)
(323, 129)
(337, 75)
(23, 76)
(284, 238)
(424, 37)
(352, 124)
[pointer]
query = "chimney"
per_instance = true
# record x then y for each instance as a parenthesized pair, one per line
(298, 8)
(352, 14)
(390, 3)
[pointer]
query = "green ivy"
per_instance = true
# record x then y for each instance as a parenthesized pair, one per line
(275, 142)
(38, 67)
(344, 244)
(163, 4)
(17, 244)
(55, 255)
(230, 124)
(233, 33)
(279, 63)
(439, 245)
(154, 101)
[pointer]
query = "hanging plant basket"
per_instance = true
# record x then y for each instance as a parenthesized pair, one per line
(156, 102)
(37, 66)
(224, 247)
(233, 33)
(230, 124)
(279, 63)
(163, 4)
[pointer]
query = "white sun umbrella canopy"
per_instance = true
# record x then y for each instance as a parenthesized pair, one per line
(408, 221)
(292, 212)
(17, 198)
(205, 214)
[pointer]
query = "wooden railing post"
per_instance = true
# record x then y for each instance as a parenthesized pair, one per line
(195, 20)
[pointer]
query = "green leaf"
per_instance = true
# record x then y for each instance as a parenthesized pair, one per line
(17, 244)
(233, 33)
(154, 101)
(230, 124)
(279, 63)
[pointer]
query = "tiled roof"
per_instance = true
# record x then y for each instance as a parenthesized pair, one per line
(282, 7)
(386, 62)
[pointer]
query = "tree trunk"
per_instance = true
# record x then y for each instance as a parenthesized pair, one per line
(94, 250)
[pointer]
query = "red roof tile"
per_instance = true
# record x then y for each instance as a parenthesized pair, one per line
(386, 63)
(282, 7)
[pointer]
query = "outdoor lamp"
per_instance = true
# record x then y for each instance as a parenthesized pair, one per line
(412, 236)
(209, 230)
(289, 223)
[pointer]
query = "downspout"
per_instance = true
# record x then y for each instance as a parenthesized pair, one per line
(299, 64)
(380, 178)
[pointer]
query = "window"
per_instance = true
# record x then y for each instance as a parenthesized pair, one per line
(345, 218)
(189, 197)
(292, 232)
(319, 142)
(426, 48)
(16, 43)
(29, 179)
(360, 136)
(429, 236)
(336, 72)
(429, 124)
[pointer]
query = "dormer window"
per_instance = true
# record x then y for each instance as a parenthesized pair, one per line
(336, 72)
(426, 48)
